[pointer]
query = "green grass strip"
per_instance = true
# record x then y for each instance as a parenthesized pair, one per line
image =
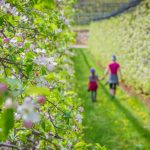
(118, 124)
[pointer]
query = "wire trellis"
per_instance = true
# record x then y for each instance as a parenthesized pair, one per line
(95, 10)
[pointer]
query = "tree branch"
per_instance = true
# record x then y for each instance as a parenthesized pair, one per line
(56, 107)
(8, 145)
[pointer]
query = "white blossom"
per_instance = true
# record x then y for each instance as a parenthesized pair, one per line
(17, 116)
(5, 45)
(49, 63)
(2, 2)
(38, 50)
(8, 103)
(27, 110)
(42, 82)
(14, 11)
(32, 46)
(67, 22)
(62, 18)
(81, 109)
(23, 18)
(58, 31)
(34, 116)
(20, 44)
(50, 67)
(79, 118)
(7, 6)
(19, 34)
(13, 42)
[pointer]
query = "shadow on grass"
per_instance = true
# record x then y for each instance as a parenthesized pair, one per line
(144, 132)
(136, 123)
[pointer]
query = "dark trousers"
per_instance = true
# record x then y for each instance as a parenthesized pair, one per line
(93, 95)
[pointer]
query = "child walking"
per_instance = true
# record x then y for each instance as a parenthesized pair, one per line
(93, 85)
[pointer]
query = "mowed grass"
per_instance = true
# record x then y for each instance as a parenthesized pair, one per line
(118, 124)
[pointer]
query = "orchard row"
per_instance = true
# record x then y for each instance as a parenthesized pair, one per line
(127, 36)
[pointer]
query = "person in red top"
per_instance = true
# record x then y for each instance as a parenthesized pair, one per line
(113, 69)
(93, 85)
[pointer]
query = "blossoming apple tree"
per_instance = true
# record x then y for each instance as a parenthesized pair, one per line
(36, 91)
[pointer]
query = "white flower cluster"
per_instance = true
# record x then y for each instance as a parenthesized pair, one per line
(28, 110)
(9, 103)
(79, 115)
(49, 63)
(32, 46)
(79, 118)
(57, 31)
(42, 82)
(19, 34)
(81, 109)
(13, 42)
(66, 21)
(38, 50)
(7, 8)
(69, 69)
(23, 18)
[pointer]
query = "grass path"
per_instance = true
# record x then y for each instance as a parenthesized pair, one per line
(118, 124)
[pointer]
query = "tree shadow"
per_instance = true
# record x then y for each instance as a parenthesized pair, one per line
(136, 123)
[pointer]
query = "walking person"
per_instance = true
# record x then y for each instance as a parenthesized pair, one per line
(112, 70)
(93, 85)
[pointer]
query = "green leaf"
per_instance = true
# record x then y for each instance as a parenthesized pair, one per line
(34, 90)
(1, 21)
(29, 69)
(80, 145)
(14, 83)
(23, 134)
(67, 116)
(43, 124)
(6, 123)
(44, 4)
(50, 77)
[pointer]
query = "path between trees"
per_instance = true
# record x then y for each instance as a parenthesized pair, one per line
(82, 43)
(118, 124)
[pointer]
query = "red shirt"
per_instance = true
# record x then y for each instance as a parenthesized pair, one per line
(113, 67)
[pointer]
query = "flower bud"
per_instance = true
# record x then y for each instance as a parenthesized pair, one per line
(8, 103)
(3, 88)
(41, 99)
(6, 40)
(28, 124)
